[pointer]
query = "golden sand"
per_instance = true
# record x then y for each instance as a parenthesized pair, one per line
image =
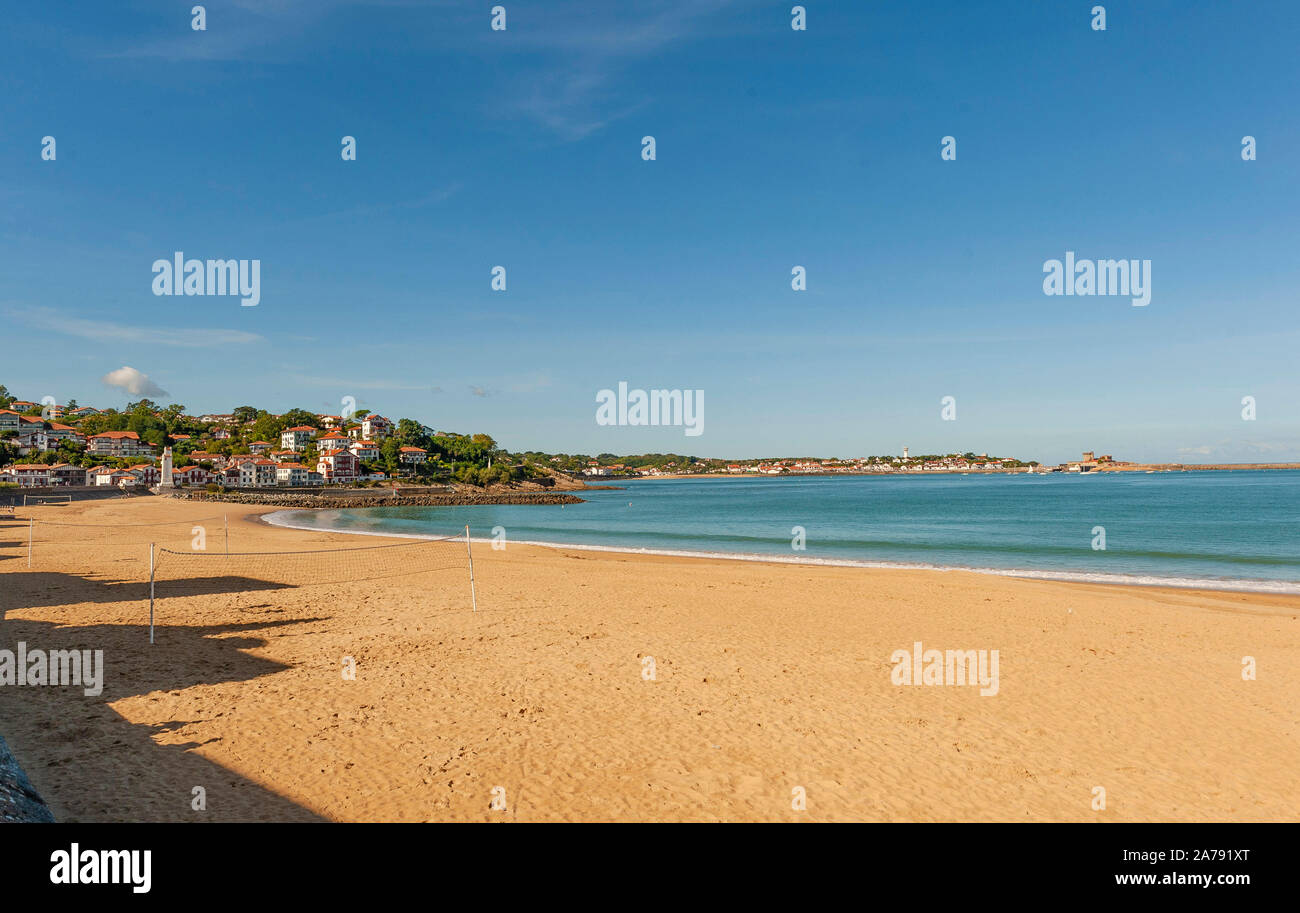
(769, 678)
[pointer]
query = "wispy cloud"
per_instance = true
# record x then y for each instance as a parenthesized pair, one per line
(243, 28)
(535, 384)
(424, 200)
(52, 321)
(581, 53)
(569, 56)
(532, 384)
(347, 384)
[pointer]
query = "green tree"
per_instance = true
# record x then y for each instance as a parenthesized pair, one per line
(295, 417)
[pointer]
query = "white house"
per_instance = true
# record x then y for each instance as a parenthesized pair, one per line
(364, 450)
(148, 475)
(296, 475)
(376, 428)
(296, 438)
(119, 444)
(30, 475)
(331, 441)
(257, 473)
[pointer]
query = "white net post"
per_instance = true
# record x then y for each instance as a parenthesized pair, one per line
(473, 598)
(150, 592)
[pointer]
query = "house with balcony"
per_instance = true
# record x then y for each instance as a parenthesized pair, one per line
(191, 475)
(337, 466)
(257, 473)
(147, 474)
(120, 444)
(375, 428)
(331, 441)
(66, 475)
(297, 475)
(30, 475)
(364, 450)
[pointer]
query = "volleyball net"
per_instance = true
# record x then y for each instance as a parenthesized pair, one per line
(37, 500)
(175, 573)
(59, 544)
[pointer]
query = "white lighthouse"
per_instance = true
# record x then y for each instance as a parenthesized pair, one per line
(904, 453)
(167, 480)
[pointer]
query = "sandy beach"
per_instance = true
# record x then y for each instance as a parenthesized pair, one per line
(768, 678)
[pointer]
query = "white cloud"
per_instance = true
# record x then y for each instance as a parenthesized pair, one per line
(137, 383)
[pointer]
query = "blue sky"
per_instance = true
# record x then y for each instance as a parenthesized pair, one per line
(775, 148)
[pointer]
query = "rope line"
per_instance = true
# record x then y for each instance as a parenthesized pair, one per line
(127, 525)
(317, 551)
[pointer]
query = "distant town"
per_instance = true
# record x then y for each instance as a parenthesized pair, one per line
(46, 445)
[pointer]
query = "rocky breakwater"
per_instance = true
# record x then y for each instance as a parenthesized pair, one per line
(334, 502)
(19, 801)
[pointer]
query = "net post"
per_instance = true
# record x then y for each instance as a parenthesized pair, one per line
(470, 552)
(225, 521)
(150, 592)
(31, 525)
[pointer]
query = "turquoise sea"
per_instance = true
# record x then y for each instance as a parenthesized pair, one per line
(1230, 529)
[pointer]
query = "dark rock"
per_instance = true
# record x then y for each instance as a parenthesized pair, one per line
(19, 801)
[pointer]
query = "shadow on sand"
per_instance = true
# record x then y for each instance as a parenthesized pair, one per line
(121, 772)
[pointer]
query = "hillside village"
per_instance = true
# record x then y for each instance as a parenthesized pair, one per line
(48, 445)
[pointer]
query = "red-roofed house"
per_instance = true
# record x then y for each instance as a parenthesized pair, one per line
(119, 444)
(30, 475)
(364, 450)
(331, 441)
(376, 428)
(337, 466)
(148, 475)
(191, 475)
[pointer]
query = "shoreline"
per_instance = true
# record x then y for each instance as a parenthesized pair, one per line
(1245, 585)
(1116, 470)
